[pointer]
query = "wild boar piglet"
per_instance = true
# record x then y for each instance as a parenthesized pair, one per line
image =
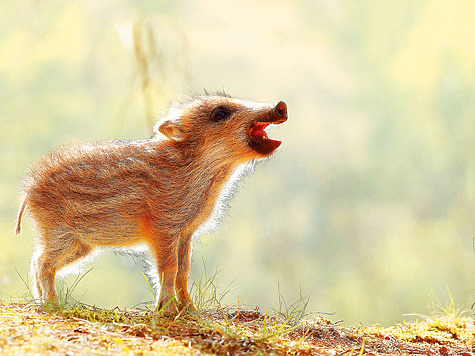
(156, 192)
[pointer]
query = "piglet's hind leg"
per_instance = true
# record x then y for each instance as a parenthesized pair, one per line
(54, 256)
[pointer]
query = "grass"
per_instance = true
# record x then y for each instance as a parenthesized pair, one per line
(293, 312)
(73, 327)
(205, 292)
(448, 309)
(28, 328)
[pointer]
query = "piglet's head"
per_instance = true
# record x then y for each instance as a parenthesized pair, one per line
(223, 126)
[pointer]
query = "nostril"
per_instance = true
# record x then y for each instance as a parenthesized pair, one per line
(281, 108)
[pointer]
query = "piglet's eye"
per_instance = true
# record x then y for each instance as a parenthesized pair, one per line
(221, 113)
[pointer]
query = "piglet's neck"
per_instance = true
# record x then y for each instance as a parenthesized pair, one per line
(199, 180)
(197, 155)
(195, 170)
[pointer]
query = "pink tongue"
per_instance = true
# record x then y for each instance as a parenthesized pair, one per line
(258, 130)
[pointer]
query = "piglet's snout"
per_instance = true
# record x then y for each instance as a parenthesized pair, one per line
(279, 113)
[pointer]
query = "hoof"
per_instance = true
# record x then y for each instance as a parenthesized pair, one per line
(187, 307)
(169, 310)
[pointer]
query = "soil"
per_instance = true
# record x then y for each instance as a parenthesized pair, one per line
(81, 330)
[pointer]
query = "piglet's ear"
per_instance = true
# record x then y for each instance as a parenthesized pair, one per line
(172, 131)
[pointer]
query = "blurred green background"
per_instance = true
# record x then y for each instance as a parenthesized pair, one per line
(368, 205)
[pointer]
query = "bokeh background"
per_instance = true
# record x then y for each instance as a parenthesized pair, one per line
(367, 206)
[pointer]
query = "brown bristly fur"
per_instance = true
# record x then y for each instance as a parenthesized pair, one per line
(157, 191)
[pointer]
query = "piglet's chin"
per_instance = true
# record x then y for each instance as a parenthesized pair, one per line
(264, 146)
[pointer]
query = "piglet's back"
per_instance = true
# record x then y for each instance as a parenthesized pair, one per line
(84, 186)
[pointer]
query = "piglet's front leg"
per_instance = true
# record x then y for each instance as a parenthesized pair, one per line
(181, 283)
(166, 300)
(165, 249)
(167, 262)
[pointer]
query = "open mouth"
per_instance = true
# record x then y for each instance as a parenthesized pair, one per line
(260, 141)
